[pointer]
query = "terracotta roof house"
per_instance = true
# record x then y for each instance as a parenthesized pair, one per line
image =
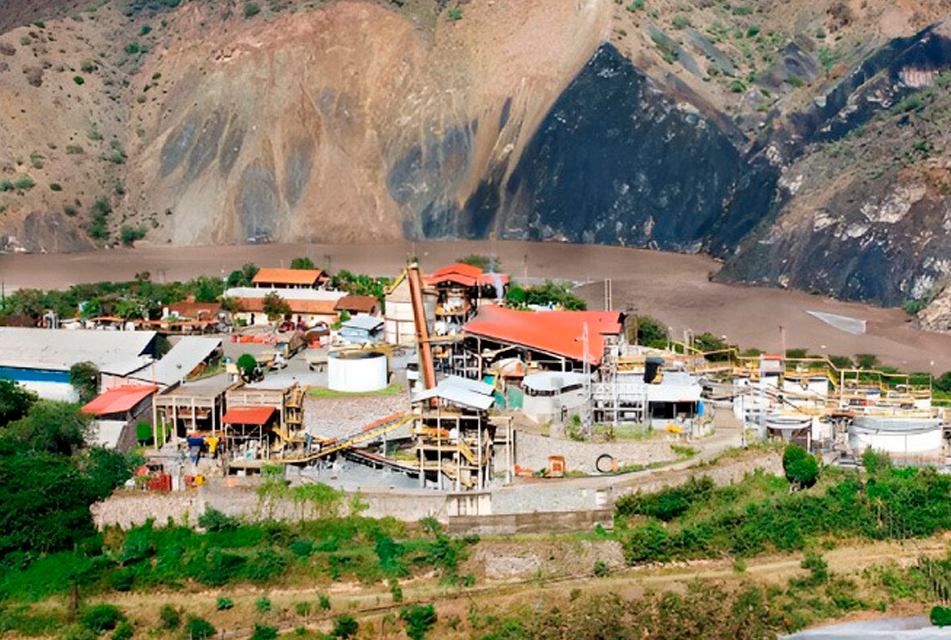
(269, 278)
(358, 304)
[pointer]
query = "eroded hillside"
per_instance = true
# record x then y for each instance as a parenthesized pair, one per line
(802, 142)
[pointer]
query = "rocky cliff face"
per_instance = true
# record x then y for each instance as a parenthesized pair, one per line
(804, 143)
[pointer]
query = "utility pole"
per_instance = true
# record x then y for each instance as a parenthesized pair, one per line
(586, 369)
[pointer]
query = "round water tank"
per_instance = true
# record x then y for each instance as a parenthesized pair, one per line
(357, 371)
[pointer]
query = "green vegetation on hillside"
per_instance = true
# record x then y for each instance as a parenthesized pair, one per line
(760, 514)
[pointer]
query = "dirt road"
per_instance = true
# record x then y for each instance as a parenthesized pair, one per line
(674, 288)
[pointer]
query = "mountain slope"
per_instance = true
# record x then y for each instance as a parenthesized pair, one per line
(801, 142)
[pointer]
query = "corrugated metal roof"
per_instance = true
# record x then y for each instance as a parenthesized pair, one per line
(459, 273)
(286, 294)
(287, 276)
(181, 360)
(460, 391)
(248, 415)
(59, 349)
(457, 396)
(476, 386)
(366, 323)
(556, 332)
(118, 400)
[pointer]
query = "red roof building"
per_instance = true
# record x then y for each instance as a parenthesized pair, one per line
(288, 278)
(119, 400)
(190, 310)
(358, 304)
(554, 332)
(459, 273)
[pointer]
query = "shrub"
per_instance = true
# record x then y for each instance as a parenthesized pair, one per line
(601, 569)
(323, 601)
(129, 235)
(214, 520)
(102, 617)
(199, 628)
(224, 603)
(345, 626)
(251, 9)
(940, 616)
(419, 620)
(262, 604)
(263, 632)
(124, 631)
(455, 14)
(73, 149)
(170, 617)
(25, 183)
(6, 185)
(680, 22)
(79, 80)
(55, 186)
(87, 66)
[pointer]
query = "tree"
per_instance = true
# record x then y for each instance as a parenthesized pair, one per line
(275, 306)
(242, 277)
(867, 360)
(801, 468)
(84, 377)
(230, 304)
(206, 288)
(50, 426)
(419, 620)
(198, 628)
(129, 308)
(248, 367)
(485, 263)
(650, 331)
(302, 263)
(15, 401)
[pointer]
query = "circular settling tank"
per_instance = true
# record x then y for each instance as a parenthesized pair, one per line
(357, 371)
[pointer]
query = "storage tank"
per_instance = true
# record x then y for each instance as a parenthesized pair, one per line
(357, 371)
(896, 435)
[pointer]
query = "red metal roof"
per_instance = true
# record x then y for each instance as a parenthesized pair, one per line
(556, 332)
(287, 276)
(118, 400)
(459, 273)
(248, 415)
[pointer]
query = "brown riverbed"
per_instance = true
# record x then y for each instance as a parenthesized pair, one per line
(674, 288)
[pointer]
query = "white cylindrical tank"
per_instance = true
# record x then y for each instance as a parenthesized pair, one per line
(896, 435)
(357, 371)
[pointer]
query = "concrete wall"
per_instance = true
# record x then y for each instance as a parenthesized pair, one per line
(539, 522)
(723, 473)
(532, 451)
(130, 508)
